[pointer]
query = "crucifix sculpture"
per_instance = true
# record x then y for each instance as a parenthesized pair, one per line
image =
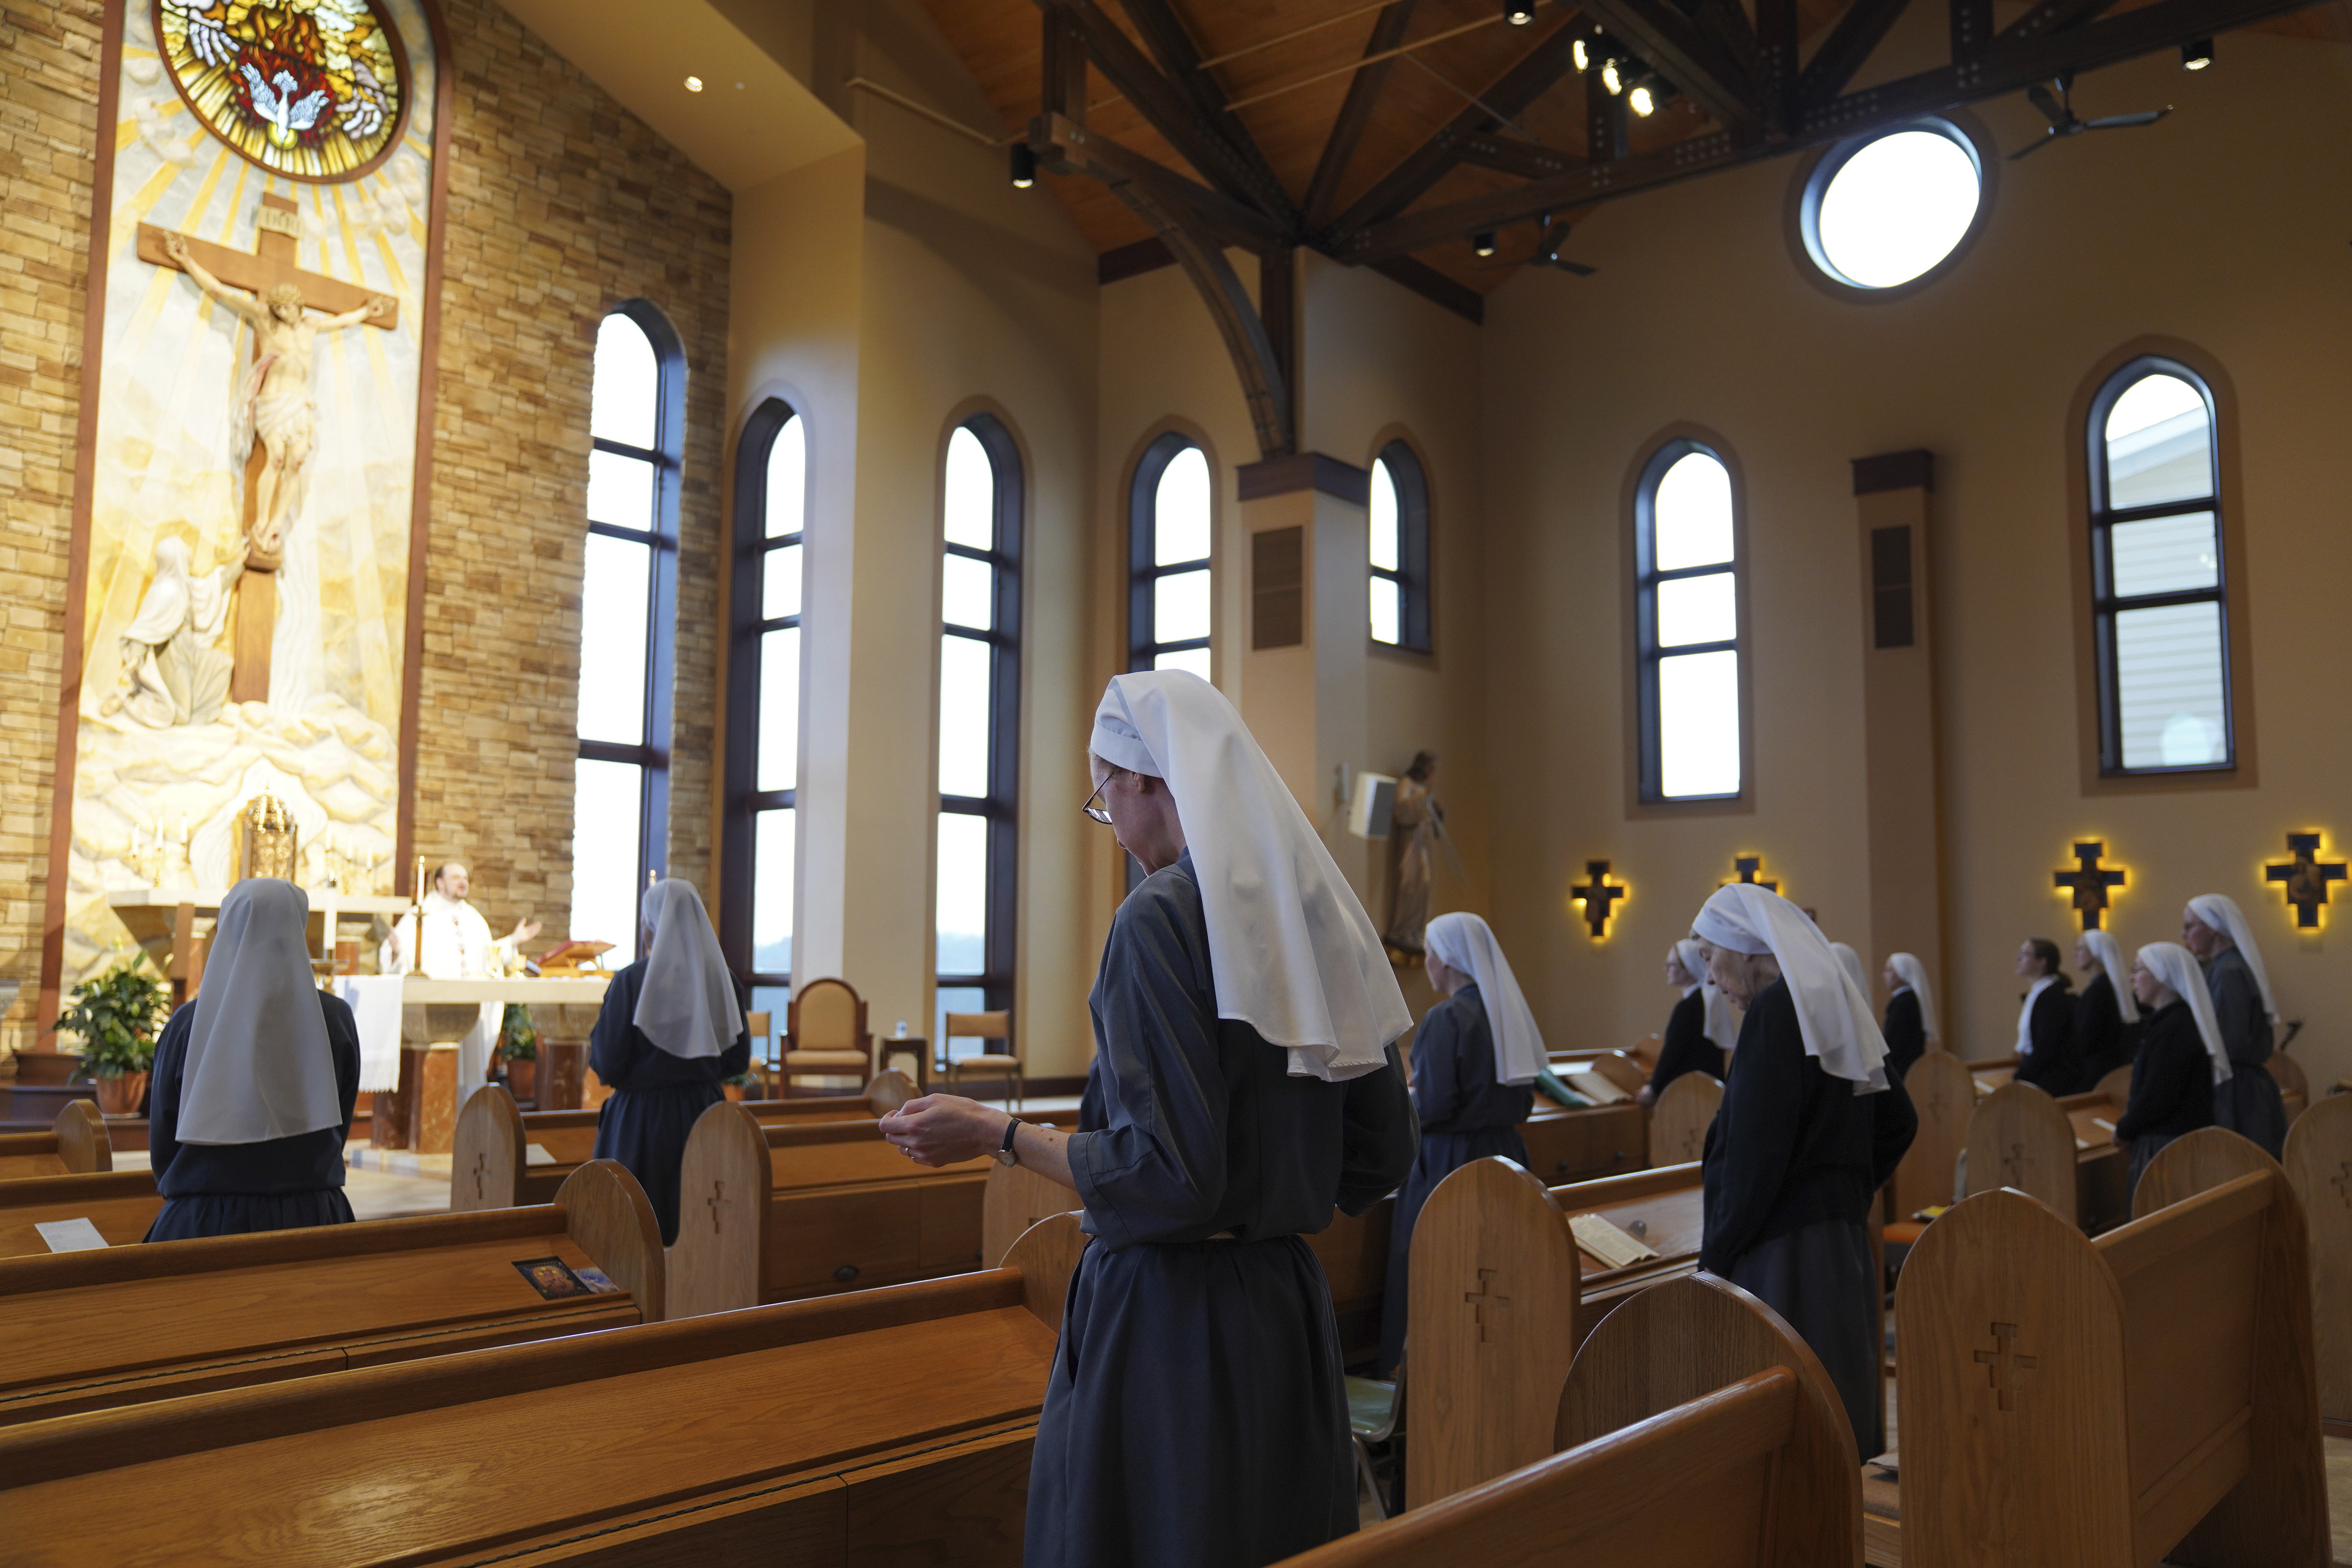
(1747, 866)
(1598, 898)
(272, 417)
(2306, 877)
(2089, 881)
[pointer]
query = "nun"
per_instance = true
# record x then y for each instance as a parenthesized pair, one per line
(672, 1028)
(1700, 1029)
(1812, 1125)
(2215, 930)
(254, 1081)
(1244, 1084)
(2183, 1064)
(2106, 1014)
(2045, 1021)
(1910, 1025)
(1473, 1057)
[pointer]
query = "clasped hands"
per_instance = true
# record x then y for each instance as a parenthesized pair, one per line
(945, 1129)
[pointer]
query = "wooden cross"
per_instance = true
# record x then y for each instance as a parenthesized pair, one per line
(2089, 881)
(2306, 878)
(2343, 1183)
(270, 263)
(2003, 1358)
(1479, 1300)
(714, 1203)
(1598, 898)
(2013, 1166)
(1747, 866)
(481, 1175)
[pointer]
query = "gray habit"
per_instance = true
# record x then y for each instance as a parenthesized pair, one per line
(2248, 1102)
(1196, 1414)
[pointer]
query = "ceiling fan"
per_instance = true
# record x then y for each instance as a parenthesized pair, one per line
(2059, 112)
(1549, 237)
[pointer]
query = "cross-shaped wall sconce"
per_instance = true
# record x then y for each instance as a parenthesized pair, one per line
(1598, 898)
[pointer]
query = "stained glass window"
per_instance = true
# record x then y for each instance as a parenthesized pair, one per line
(311, 88)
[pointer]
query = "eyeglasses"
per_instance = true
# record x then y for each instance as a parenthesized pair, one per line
(1096, 812)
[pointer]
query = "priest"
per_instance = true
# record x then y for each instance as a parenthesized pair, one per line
(2248, 1103)
(455, 945)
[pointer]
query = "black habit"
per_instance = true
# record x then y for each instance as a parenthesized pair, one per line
(2172, 1087)
(1905, 1030)
(2102, 1040)
(1197, 1411)
(2051, 1066)
(2249, 1103)
(230, 1189)
(657, 1096)
(1685, 1047)
(1465, 1115)
(1792, 1161)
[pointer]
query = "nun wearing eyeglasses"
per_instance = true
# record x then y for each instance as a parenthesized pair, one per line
(672, 1028)
(2106, 1014)
(1910, 1013)
(1245, 1085)
(1700, 1029)
(1811, 1126)
(2214, 927)
(254, 1081)
(1475, 1056)
(2183, 1064)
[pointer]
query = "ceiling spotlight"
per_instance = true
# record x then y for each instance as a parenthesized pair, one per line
(1641, 101)
(1482, 245)
(1610, 79)
(1518, 13)
(1025, 166)
(693, 84)
(2196, 54)
(1583, 60)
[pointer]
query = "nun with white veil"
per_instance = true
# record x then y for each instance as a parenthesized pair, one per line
(2214, 927)
(1700, 1031)
(254, 1081)
(1911, 1020)
(2183, 1064)
(2106, 1014)
(1246, 1083)
(1811, 1126)
(672, 1028)
(1475, 1056)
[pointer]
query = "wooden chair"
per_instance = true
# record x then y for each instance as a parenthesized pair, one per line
(997, 1029)
(762, 1027)
(825, 1032)
(2319, 1168)
(77, 1143)
(1679, 1120)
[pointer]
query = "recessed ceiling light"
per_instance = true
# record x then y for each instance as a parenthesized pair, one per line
(693, 84)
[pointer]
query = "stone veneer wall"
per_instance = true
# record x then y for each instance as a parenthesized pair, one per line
(560, 205)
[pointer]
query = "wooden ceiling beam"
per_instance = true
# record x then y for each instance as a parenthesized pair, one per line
(1171, 44)
(1666, 40)
(1356, 113)
(1860, 31)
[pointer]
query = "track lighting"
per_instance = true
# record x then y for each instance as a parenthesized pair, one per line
(1518, 13)
(2196, 54)
(1025, 166)
(1481, 245)
(1641, 101)
(693, 84)
(1583, 60)
(1610, 79)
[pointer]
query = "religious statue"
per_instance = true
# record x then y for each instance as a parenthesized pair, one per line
(1418, 823)
(273, 401)
(171, 673)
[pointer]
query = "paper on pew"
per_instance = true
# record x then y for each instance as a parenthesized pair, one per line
(1596, 1089)
(71, 1235)
(536, 1154)
(1606, 1242)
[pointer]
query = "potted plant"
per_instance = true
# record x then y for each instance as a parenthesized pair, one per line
(740, 1087)
(519, 1049)
(118, 1016)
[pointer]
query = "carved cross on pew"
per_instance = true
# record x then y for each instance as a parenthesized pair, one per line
(270, 264)
(1598, 898)
(2089, 882)
(2012, 1167)
(1479, 1300)
(1747, 866)
(481, 1174)
(716, 1202)
(2306, 877)
(2003, 1359)
(2343, 1183)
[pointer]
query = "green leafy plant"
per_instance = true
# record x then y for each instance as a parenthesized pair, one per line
(117, 1015)
(518, 1036)
(743, 1081)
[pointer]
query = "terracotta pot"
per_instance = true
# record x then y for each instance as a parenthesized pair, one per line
(734, 1090)
(120, 1095)
(522, 1079)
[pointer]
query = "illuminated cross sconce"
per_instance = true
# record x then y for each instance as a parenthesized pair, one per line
(2305, 878)
(1598, 898)
(2088, 883)
(1747, 868)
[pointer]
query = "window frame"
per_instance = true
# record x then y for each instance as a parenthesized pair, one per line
(1642, 766)
(1001, 806)
(2106, 604)
(651, 757)
(1810, 180)
(1143, 572)
(1415, 617)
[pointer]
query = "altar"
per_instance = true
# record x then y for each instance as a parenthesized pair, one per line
(163, 921)
(421, 1112)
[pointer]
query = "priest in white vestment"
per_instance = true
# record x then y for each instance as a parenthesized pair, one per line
(455, 945)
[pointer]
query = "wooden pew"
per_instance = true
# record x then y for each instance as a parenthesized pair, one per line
(2108, 1403)
(2294, 1087)
(1945, 1097)
(1679, 1120)
(91, 1331)
(2054, 1150)
(883, 1427)
(76, 1144)
(1992, 1073)
(2319, 1168)
(504, 1157)
(1694, 1429)
(120, 1203)
(1576, 1144)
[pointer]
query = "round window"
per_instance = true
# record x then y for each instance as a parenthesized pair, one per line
(1886, 209)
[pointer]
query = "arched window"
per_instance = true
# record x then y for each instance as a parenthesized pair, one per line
(764, 703)
(2159, 591)
(1399, 540)
(980, 724)
(1687, 631)
(1169, 513)
(628, 609)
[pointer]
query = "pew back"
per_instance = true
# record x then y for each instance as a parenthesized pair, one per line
(120, 1203)
(1945, 1097)
(2319, 1168)
(2018, 1137)
(1679, 1120)
(2295, 1086)
(76, 1144)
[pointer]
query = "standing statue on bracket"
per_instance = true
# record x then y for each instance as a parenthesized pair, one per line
(171, 673)
(1415, 829)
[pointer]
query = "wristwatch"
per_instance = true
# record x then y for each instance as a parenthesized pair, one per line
(1005, 1154)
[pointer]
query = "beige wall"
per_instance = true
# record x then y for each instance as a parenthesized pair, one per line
(2198, 229)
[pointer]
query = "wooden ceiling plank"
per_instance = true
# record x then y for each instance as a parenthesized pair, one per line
(1859, 32)
(1347, 130)
(1171, 43)
(1684, 56)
